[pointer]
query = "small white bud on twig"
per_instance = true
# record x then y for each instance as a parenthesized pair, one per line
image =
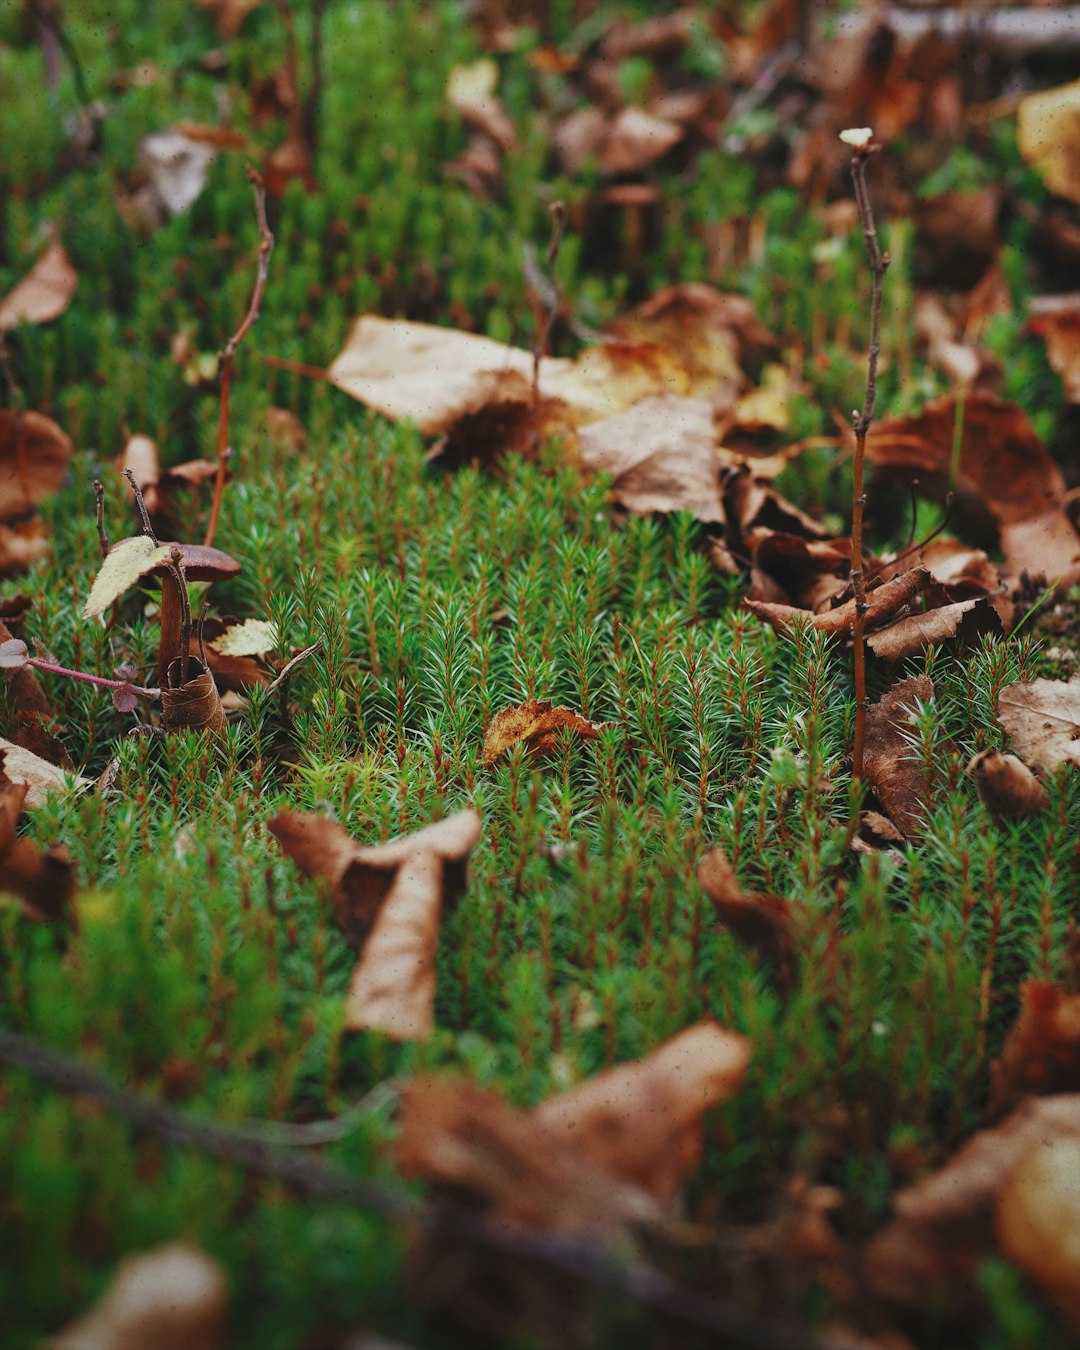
(858, 138)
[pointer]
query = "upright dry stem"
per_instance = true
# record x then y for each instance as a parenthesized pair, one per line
(861, 425)
(225, 359)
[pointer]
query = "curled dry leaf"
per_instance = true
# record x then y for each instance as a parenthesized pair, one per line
(642, 1121)
(944, 1229)
(176, 167)
(39, 775)
(32, 463)
(389, 899)
(535, 723)
(125, 563)
(1056, 319)
(1038, 1222)
(1006, 786)
(43, 294)
(1043, 719)
(194, 704)
(140, 455)
(882, 603)
(1048, 137)
(962, 622)
(43, 879)
(899, 779)
(470, 91)
(636, 139)
(171, 1298)
(1042, 1052)
(765, 922)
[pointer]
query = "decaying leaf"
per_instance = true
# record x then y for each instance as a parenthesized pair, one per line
(962, 622)
(537, 724)
(389, 899)
(1006, 786)
(944, 1229)
(253, 637)
(43, 879)
(171, 1298)
(1038, 1222)
(176, 166)
(642, 1121)
(1048, 137)
(470, 91)
(1042, 1052)
(765, 922)
(1043, 719)
(126, 562)
(39, 776)
(882, 604)
(140, 455)
(1056, 319)
(468, 1138)
(32, 463)
(899, 778)
(44, 293)
(193, 704)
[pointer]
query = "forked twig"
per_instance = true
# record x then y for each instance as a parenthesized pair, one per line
(225, 357)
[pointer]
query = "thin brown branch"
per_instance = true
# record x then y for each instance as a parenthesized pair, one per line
(225, 357)
(313, 102)
(99, 499)
(861, 425)
(315, 1179)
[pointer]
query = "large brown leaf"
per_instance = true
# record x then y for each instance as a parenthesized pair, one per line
(1042, 1052)
(32, 462)
(536, 724)
(1043, 719)
(43, 294)
(897, 775)
(766, 922)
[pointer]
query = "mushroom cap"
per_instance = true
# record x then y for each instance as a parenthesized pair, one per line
(201, 563)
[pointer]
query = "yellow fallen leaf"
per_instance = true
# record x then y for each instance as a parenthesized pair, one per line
(126, 562)
(253, 637)
(41, 777)
(1048, 137)
(537, 723)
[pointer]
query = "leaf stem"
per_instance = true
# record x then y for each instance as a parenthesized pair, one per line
(54, 669)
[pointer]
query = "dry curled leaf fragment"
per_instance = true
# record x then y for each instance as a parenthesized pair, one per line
(535, 723)
(43, 294)
(1038, 1222)
(944, 1228)
(1006, 786)
(191, 704)
(34, 455)
(1043, 719)
(171, 1298)
(962, 622)
(1048, 137)
(642, 1121)
(898, 776)
(43, 879)
(39, 775)
(124, 564)
(764, 922)
(470, 90)
(1042, 1052)
(1056, 319)
(253, 637)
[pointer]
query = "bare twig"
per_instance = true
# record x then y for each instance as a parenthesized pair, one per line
(550, 283)
(144, 514)
(225, 357)
(864, 146)
(313, 1178)
(99, 498)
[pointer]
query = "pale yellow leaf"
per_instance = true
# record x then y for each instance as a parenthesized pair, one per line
(41, 777)
(127, 561)
(253, 637)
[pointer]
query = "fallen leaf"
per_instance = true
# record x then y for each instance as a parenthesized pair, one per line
(176, 167)
(285, 430)
(470, 91)
(43, 294)
(642, 1121)
(140, 455)
(1038, 1222)
(1006, 786)
(43, 879)
(1042, 1052)
(636, 139)
(1056, 319)
(537, 725)
(194, 703)
(1043, 719)
(21, 546)
(32, 463)
(764, 922)
(882, 604)
(944, 1229)
(1048, 137)
(468, 1138)
(37, 774)
(170, 1298)
(899, 778)
(125, 563)
(962, 622)
(288, 161)
(661, 454)
(253, 637)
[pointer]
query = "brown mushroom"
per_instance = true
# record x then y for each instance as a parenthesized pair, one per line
(198, 563)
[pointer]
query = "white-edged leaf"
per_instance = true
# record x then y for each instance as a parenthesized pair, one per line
(253, 637)
(126, 563)
(23, 766)
(13, 653)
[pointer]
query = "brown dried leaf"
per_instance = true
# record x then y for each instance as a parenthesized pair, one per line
(468, 1138)
(291, 159)
(899, 780)
(537, 724)
(765, 922)
(39, 775)
(43, 879)
(1006, 786)
(1042, 1052)
(1043, 719)
(1038, 1222)
(32, 464)
(285, 430)
(21, 546)
(140, 455)
(194, 704)
(962, 622)
(928, 1255)
(1056, 319)
(1048, 137)
(171, 1298)
(636, 139)
(470, 91)
(882, 603)
(43, 294)
(642, 1121)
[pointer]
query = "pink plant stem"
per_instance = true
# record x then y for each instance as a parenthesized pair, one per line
(91, 679)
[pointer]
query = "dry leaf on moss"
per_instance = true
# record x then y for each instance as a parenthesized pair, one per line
(962, 622)
(43, 294)
(253, 637)
(193, 704)
(33, 464)
(765, 922)
(537, 724)
(389, 899)
(1006, 786)
(1056, 319)
(171, 1298)
(1042, 1052)
(1048, 137)
(470, 91)
(944, 1229)
(642, 1121)
(40, 777)
(125, 563)
(1038, 1222)
(1043, 719)
(882, 604)
(898, 777)
(43, 879)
